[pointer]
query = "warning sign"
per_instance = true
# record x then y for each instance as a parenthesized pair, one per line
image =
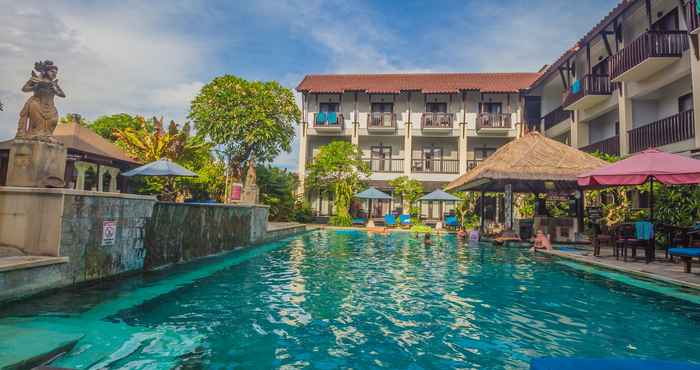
(109, 232)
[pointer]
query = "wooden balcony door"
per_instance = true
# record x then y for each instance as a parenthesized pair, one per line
(432, 158)
(380, 158)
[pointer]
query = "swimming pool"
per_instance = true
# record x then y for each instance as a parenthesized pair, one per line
(347, 299)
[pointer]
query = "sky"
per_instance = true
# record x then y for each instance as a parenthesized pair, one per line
(152, 57)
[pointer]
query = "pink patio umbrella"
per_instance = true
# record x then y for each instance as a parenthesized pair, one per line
(648, 165)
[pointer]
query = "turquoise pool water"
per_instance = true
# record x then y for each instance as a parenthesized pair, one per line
(339, 299)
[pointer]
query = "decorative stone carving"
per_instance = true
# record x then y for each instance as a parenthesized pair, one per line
(251, 192)
(37, 159)
(39, 116)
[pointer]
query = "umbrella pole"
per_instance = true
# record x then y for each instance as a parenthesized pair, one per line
(651, 199)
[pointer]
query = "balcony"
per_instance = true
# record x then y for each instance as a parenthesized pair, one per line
(471, 164)
(588, 92)
(379, 165)
(669, 130)
(493, 123)
(437, 122)
(448, 166)
(554, 117)
(609, 146)
(648, 54)
(381, 122)
(692, 17)
(329, 122)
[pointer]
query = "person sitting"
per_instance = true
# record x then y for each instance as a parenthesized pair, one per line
(541, 241)
(426, 239)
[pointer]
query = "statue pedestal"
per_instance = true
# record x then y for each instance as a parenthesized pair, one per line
(36, 164)
(250, 194)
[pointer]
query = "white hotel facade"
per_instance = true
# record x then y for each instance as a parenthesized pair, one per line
(628, 84)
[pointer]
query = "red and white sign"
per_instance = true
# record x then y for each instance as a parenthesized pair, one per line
(109, 232)
(236, 189)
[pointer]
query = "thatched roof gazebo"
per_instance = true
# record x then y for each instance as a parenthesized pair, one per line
(530, 164)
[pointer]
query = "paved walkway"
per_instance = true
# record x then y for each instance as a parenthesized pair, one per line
(660, 269)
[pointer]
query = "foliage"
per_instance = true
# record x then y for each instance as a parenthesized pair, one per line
(466, 210)
(525, 204)
(277, 188)
(106, 126)
(72, 117)
(245, 118)
(409, 190)
(676, 205)
(302, 212)
(337, 168)
(175, 144)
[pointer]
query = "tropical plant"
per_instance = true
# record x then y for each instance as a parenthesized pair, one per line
(277, 188)
(245, 119)
(409, 190)
(337, 168)
(73, 117)
(175, 144)
(466, 209)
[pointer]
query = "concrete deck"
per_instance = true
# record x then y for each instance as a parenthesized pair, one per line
(660, 269)
(26, 262)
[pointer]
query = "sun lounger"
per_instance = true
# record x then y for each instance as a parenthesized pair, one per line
(607, 364)
(451, 222)
(405, 220)
(389, 220)
(359, 221)
(686, 254)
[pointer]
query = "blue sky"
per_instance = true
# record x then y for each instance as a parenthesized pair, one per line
(151, 57)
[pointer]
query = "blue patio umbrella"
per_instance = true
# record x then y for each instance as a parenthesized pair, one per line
(161, 167)
(439, 195)
(372, 193)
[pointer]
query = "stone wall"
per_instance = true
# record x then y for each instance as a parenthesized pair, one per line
(180, 232)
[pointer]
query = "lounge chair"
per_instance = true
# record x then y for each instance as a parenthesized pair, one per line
(405, 220)
(686, 255)
(359, 221)
(451, 222)
(389, 220)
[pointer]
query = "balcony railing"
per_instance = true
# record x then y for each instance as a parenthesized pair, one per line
(554, 117)
(494, 120)
(608, 146)
(437, 120)
(692, 17)
(669, 130)
(385, 165)
(329, 120)
(651, 44)
(590, 86)
(381, 120)
(435, 165)
(473, 163)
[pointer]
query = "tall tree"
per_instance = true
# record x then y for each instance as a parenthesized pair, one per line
(409, 190)
(337, 168)
(246, 118)
(106, 126)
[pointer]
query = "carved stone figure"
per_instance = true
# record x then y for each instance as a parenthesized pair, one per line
(251, 177)
(39, 116)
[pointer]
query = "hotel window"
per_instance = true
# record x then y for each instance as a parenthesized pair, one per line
(668, 22)
(381, 158)
(432, 157)
(482, 153)
(382, 107)
(491, 108)
(436, 107)
(685, 103)
(328, 107)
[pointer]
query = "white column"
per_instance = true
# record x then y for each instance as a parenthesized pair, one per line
(302, 158)
(113, 173)
(81, 168)
(100, 173)
(625, 111)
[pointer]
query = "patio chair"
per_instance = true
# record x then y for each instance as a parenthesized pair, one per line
(451, 222)
(405, 220)
(638, 234)
(675, 237)
(602, 238)
(389, 220)
(687, 254)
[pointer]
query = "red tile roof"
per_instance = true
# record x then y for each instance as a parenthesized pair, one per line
(423, 82)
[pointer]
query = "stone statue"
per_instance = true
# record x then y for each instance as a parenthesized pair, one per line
(37, 159)
(39, 116)
(251, 177)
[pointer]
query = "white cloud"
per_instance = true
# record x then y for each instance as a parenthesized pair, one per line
(111, 58)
